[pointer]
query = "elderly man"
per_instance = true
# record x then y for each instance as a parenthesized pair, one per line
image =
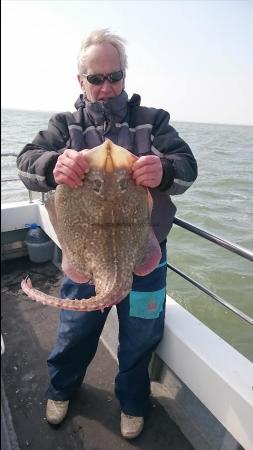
(166, 166)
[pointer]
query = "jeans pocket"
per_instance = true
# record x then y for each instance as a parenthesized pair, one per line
(146, 305)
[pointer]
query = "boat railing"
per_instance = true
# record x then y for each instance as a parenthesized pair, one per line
(231, 247)
(13, 179)
(242, 252)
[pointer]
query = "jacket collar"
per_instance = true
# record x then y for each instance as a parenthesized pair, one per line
(109, 112)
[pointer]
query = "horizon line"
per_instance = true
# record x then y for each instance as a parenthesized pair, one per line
(171, 120)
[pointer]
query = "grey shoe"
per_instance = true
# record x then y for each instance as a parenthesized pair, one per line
(56, 411)
(131, 426)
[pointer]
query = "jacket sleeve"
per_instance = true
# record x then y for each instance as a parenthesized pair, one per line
(179, 165)
(37, 160)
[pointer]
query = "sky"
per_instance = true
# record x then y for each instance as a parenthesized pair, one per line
(191, 58)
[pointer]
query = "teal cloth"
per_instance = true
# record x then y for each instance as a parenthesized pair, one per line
(146, 305)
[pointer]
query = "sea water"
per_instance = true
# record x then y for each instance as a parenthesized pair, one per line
(220, 201)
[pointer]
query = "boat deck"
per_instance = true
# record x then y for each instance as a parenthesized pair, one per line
(29, 332)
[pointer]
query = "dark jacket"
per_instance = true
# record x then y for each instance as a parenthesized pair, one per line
(140, 129)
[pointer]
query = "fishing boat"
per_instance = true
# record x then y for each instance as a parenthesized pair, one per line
(202, 393)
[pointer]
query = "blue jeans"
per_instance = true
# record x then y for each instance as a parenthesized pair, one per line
(141, 324)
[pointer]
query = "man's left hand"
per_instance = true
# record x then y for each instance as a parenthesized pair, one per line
(148, 171)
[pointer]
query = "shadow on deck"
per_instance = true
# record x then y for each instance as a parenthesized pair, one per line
(29, 332)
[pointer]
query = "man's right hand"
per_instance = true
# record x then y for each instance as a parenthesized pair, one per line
(71, 168)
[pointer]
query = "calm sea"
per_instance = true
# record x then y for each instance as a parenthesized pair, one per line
(220, 201)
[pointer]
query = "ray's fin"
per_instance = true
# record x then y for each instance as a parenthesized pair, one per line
(152, 252)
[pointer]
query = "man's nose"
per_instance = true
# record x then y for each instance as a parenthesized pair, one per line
(106, 86)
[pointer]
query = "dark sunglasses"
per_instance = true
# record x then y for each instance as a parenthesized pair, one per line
(98, 79)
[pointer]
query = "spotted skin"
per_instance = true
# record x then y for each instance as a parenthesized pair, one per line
(104, 230)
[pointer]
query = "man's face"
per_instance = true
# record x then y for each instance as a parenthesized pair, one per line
(101, 59)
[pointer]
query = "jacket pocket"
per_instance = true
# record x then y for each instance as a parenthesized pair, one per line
(146, 305)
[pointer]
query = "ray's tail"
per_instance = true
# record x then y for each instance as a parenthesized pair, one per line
(111, 296)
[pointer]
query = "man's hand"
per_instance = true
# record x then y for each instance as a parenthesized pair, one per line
(148, 171)
(71, 168)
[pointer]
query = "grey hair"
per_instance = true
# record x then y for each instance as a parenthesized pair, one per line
(102, 36)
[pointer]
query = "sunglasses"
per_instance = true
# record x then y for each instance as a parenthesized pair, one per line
(98, 79)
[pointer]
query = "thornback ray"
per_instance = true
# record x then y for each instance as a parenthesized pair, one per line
(104, 229)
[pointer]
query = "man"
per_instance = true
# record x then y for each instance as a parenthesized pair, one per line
(166, 166)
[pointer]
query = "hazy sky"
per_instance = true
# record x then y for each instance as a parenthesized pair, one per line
(192, 58)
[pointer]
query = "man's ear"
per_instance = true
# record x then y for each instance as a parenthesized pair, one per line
(80, 81)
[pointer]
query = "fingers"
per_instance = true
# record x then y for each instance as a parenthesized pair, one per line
(144, 176)
(147, 181)
(71, 168)
(147, 171)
